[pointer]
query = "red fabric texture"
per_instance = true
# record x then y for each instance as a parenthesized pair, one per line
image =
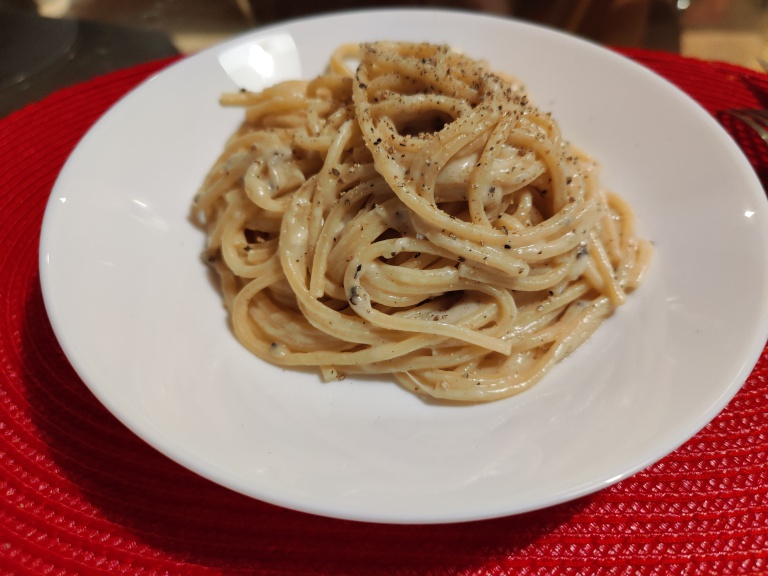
(80, 494)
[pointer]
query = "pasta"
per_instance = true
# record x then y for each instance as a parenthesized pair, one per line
(413, 215)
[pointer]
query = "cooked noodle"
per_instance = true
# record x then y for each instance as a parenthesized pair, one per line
(418, 217)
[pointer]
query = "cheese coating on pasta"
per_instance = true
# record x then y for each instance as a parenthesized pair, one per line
(417, 216)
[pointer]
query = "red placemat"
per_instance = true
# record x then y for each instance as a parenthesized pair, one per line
(81, 494)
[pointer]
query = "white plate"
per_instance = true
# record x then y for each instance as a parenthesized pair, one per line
(137, 315)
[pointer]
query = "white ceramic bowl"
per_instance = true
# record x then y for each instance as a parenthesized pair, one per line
(138, 315)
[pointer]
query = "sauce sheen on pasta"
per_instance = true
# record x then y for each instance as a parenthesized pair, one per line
(416, 216)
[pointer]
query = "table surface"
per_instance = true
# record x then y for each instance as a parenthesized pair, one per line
(81, 494)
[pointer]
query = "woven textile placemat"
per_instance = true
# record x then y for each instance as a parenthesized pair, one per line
(80, 494)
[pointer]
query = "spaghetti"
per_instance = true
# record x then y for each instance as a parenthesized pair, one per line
(417, 217)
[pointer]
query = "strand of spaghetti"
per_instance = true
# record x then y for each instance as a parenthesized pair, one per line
(324, 195)
(443, 222)
(457, 386)
(244, 263)
(599, 258)
(359, 179)
(332, 352)
(253, 337)
(482, 190)
(294, 247)
(359, 299)
(337, 63)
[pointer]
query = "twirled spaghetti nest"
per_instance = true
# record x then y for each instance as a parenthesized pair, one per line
(418, 217)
